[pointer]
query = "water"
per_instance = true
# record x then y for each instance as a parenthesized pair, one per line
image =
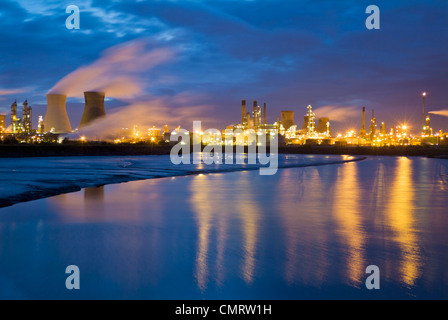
(304, 233)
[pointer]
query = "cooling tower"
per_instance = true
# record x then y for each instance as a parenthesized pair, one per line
(322, 125)
(305, 122)
(287, 119)
(56, 118)
(94, 108)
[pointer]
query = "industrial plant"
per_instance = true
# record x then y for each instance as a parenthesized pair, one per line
(252, 127)
(56, 121)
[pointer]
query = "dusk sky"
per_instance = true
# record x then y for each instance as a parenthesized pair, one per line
(177, 61)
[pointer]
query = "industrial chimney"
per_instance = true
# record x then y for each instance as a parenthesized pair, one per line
(363, 129)
(94, 108)
(264, 114)
(243, 112)
(56, 118)
(255, 114)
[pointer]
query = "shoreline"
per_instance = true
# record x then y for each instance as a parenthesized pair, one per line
(104, 149)
(41, 193)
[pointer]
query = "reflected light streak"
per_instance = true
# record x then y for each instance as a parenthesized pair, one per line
(212, 210)
(204, 209)
(348, 217)
(248, 212)
(401, 219)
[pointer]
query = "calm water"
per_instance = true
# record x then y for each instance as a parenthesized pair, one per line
(303, 233)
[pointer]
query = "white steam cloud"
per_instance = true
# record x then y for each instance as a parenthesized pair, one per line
(337, 113)
(119, 72)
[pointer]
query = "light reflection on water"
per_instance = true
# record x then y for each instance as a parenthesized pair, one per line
(303, 233)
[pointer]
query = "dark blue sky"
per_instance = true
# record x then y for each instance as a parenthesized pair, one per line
(286, 53)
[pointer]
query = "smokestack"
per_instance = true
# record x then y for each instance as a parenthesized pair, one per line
(56, 117)
(363, 131)
(243, 112)
(264, 113)
(255, 114)
(364, 118)
(94, 108)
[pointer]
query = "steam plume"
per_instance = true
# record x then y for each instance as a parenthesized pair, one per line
(118, 73)
(443, 113)
(336, 113)
(145, 114)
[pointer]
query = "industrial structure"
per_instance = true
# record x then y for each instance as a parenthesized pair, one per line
(252, 129)
(94, 108)
(2, 123)
(56, 119)
(287, 119)
(21, 125)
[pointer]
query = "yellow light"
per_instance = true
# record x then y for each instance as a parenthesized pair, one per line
(424, 94)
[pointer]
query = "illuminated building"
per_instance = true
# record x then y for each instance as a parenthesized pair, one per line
(15, 123)
(253, 124)
(166, 133)
(27, 123)
(383, 129)
(154, 134)
(2, 123)
(373, 126)
(40, 126)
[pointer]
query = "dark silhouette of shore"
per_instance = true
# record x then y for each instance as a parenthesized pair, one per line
(106, 149)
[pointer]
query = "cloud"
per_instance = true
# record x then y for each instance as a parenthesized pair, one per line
(121, 72)
(5, 92)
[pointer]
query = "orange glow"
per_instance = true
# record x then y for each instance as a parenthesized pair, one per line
(348, 217)
(402, 220)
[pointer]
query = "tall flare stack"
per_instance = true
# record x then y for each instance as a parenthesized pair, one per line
(56, 118)
(94, 108)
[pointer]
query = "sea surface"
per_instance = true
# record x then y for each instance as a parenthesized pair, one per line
(304, 233)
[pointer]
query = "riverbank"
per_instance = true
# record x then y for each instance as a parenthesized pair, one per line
(27, 179)
(103, 149)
